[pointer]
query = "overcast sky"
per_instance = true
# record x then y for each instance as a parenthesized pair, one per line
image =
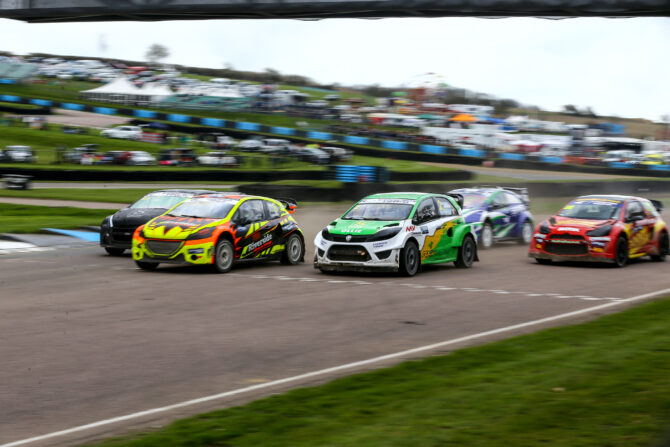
(616, 66)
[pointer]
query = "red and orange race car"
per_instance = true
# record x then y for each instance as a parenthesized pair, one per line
(219, 230)
(602, 228)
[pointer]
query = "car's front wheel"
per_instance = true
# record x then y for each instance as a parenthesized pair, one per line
(466, 253)
(114, 251)
(147, 265)
(294, 251)
(409, 259)
(486, 238)
(224, 256)
(526, 233)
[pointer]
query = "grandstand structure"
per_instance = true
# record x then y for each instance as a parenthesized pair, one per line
(15, 72)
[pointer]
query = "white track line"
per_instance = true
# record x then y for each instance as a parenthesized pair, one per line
(322, 372)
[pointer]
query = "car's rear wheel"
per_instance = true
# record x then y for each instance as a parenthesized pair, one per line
(526, 233)
(663, 247)
(621, 252)
(294, 251)
(224, 256)
(466, 253)
(409, 259)
(486, 238)
(147, 265)
(114, 251)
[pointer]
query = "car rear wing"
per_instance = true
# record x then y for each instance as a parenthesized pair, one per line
(657, 204)
(457, 197)
(289, 204)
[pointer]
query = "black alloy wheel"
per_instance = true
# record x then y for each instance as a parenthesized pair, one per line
(409, 259)
(621, 252)
(466, 253)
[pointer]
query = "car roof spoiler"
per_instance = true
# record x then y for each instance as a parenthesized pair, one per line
(289, 204)
(457, 197)
(657, 204)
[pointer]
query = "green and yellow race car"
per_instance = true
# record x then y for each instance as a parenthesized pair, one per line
(397, 232)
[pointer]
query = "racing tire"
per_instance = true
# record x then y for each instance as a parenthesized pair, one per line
(486, 237)
(543, 261)
(149, 266)
(467, 253)
(294, 253)
(224, 256)
(663, 247)
(621, 252)
(114, 251)
(526, 233)
(409, 259)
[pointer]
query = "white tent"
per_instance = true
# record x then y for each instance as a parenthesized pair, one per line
(119, 90)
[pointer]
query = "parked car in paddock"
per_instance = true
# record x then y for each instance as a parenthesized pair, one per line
(75, 154)
(217, 158)
(397, 232)
(602, 228)
(140, 158)
(497, 214)
(221, 230)
(18, 154)
(116, 231)
(123, 132)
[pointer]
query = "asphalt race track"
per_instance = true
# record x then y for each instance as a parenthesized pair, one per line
(86, 337)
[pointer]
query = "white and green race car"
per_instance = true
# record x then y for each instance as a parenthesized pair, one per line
(397, 232)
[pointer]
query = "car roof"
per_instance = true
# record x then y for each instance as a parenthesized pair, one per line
(483, 190)
(194, 192)
(402, 195)
(610, 197)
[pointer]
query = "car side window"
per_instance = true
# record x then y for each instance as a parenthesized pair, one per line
(512, 199)
(426, 210)
(445, 207)
(649, 208)
(273, 211)
(498, 200)
(633, 208)
(251, 211)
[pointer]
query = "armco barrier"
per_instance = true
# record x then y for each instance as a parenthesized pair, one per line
(401, 150)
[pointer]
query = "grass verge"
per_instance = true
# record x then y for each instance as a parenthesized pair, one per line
(603, 383)
(31, 219)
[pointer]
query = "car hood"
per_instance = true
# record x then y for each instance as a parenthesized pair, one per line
(135, 216)
(362, 227)
(179, 228)
(569, 224)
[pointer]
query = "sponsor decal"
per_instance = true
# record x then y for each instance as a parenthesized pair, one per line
(567, 229)
(410, 228)
(260, 243)
(564, 241)
(424, 230)
(195, 251)
(323, 243)
(378, 244)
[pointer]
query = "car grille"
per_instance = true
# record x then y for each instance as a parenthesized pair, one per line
(163, 247)
(566, 236)
(566, 249)
(123, 234)
(343, 238)
(355, 253)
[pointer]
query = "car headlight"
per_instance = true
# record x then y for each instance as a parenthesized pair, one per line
(201, 234)
(325, 233)
(602, 231)
(384, 233)
(544, 228)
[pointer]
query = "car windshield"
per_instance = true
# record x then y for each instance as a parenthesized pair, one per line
(204, 207)
(159, 200)
(592, 209)
(379, 211)
(473, 200)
